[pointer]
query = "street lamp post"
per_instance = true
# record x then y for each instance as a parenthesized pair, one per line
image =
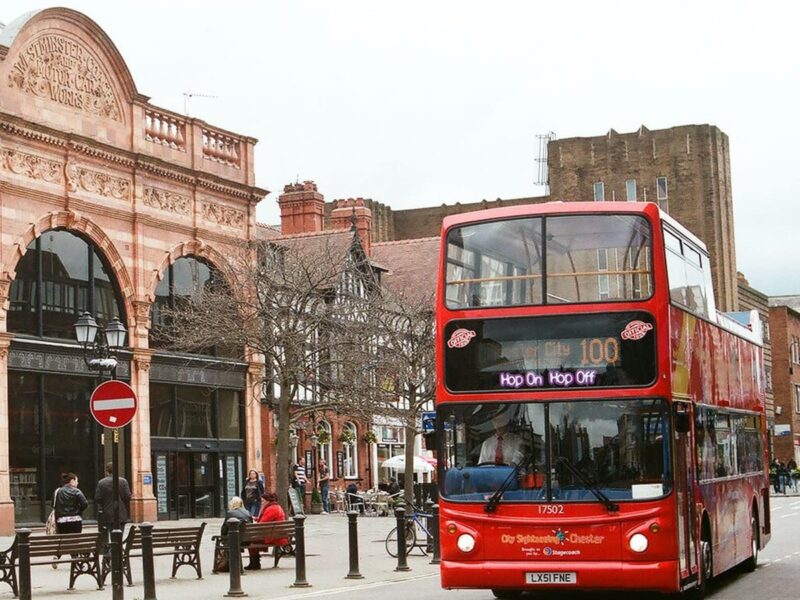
(314, 443)
(97, 354)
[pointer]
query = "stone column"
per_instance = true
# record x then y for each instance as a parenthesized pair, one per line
(254, 457)
(6, 504)
(143, 502)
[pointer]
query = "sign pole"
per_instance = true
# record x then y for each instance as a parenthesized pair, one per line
(117, 591)
(113, 404)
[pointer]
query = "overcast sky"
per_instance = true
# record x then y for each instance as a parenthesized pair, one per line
(416, 104)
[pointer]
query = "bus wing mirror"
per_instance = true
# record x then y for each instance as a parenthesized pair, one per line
(681, 422)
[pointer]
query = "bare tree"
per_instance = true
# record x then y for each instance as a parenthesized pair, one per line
(402, 328)
(297, 305)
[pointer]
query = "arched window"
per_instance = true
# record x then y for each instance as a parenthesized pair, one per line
(324, 449)
(350, 448)
(60, 276)
(184, 279)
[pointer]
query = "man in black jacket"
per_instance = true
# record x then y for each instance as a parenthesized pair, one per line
(104, 504)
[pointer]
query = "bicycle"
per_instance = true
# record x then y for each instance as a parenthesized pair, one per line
(414, 521)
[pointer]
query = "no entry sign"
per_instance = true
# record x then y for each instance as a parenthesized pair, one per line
(113, 404)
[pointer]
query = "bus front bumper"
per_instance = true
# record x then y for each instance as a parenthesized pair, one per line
(658, 576)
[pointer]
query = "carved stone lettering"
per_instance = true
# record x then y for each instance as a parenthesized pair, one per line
(61, 69)
(223, 215)
(96, 182)
(31, 165)
(165, 200)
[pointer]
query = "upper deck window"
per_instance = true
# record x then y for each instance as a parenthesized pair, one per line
(549, 260)
(689, 280)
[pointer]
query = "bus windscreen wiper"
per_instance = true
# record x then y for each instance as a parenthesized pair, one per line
(611, 506)
(491, 504)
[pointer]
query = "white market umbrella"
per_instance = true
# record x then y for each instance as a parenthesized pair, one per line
(398, 463)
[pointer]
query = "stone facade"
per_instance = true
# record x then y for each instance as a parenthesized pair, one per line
(82, 150)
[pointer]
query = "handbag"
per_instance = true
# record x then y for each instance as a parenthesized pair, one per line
(50, 524)
(221, 563)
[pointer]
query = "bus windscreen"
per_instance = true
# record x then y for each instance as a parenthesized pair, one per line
(553, 352)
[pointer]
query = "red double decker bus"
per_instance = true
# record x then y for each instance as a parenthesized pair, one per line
(601, 425)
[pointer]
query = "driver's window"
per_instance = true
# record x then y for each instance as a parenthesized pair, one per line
(489, 443)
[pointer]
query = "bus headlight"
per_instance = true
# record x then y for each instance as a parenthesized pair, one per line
(465, 542)
(638, 542)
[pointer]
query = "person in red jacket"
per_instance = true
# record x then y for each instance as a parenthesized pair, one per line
(270, 511)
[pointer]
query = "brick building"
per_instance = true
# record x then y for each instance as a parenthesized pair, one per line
(751, 299)
(784, 318)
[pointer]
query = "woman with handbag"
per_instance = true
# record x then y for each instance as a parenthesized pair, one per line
(68, 505)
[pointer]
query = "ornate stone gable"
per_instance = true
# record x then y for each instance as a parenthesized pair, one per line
(166, 200)
(97, 182)
(31, 165)
(65, 71)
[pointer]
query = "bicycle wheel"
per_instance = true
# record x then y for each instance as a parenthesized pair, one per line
(391, 540)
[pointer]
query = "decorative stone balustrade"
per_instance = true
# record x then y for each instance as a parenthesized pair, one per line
(165, 129)
(221, 148)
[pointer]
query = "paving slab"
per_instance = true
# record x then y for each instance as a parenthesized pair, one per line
(327, 564)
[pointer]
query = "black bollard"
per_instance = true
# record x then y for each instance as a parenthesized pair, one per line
(400, 514)
(434, 527)
(300, 552)
(148, 571)
(352, 526)
(428, 507)
(117, 591)
(234, 559)
(24, 560)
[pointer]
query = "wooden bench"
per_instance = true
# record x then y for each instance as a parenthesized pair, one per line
(81, 550)
(182, 543)
(252, 535)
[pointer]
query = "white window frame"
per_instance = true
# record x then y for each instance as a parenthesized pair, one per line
(350, 451)
(630, 186)
(600, 187)
(659, 195)
(324, 451)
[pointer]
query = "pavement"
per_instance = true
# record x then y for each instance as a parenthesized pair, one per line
(327, 564)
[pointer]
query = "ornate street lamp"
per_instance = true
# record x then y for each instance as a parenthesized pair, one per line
(97, 354)
(97, 350)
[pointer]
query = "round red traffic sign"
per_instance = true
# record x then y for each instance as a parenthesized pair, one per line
(113, 404)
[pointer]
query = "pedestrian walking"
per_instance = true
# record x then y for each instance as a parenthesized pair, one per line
(791, 467)
(251, 493)
(68, 505)
(324, 485)
(104, 505)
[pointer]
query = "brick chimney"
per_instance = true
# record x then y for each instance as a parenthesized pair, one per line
(302, 208)
(352, 212)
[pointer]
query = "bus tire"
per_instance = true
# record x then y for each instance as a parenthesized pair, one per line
(750, 564)
(507, 594)
(705, 571)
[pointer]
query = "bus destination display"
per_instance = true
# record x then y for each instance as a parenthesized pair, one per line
(558, 352)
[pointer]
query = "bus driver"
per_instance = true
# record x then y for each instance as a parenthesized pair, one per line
(502, 447)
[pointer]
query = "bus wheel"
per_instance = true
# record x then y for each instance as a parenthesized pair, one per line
(507, 594)
(706, 570)
(750, 564)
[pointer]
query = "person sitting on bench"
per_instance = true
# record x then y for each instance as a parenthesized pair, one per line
(270, 511)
